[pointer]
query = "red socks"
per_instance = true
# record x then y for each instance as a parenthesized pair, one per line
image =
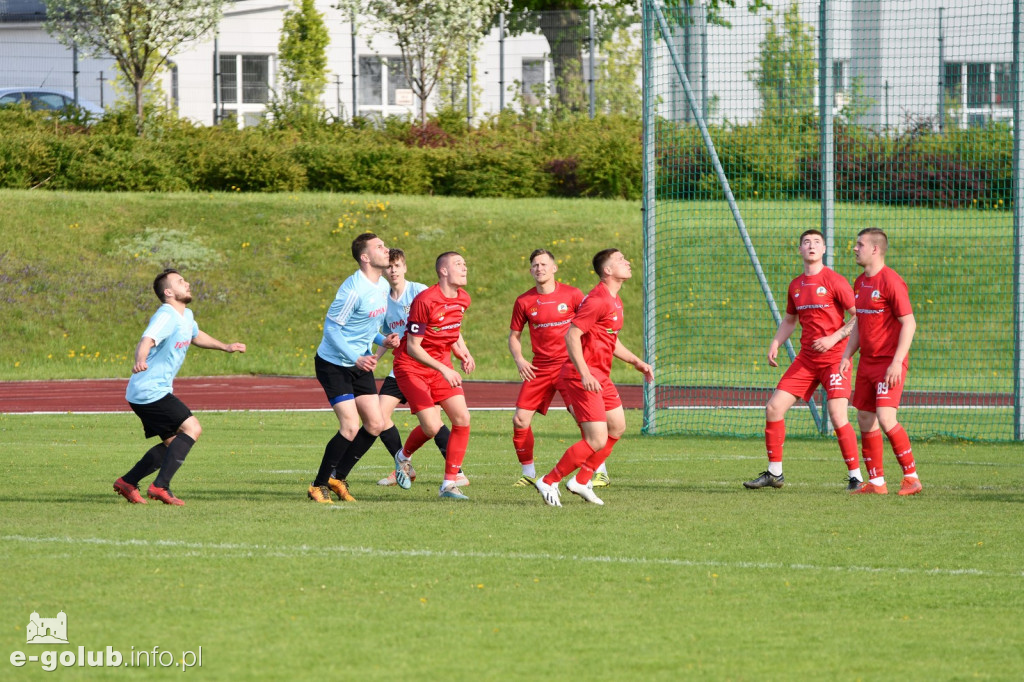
(522, 439)
(848, 446)
(595, 461)
(576, 455)
(414, 441)
(456, 452)
(774, 437)
(871, 445)
(900, 443)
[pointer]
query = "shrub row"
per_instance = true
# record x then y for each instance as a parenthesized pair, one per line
(917, 167)
(509, 156)
(505, 158)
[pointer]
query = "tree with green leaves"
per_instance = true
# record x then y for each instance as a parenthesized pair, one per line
(787, 67)
(302, 51)
(564, 24)
(430, 35)
(141, 35)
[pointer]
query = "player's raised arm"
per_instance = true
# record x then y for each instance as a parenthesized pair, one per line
(204, 340)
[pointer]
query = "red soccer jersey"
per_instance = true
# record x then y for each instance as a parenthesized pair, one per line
(437, 320)
(600, 319)
(549, 317)
(819, 302)
(881, 300)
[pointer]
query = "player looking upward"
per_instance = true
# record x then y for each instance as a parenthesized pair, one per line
(344, 367)
(591, 343)
(885, 329)
(158, 357)
(548, 309)
(426, 377)
(817, 299)
(395, 320)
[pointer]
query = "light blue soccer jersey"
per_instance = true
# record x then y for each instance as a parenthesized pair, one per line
(354, 319)
(397, 315)
(173, 333)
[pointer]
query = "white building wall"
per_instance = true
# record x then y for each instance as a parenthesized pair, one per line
(881, 42)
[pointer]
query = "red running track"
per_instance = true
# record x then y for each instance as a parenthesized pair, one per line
(304, 393)
(232, 393)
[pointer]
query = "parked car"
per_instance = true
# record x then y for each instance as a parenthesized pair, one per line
(48, 99)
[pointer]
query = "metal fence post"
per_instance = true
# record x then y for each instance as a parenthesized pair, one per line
(826, 152)
(469, 87)
(703, 19)
(74, 72)
(501, 62)
(650, 226)
(1018, 226)
(355, 72)
(592, 48)
(216, 80)
(942, 82)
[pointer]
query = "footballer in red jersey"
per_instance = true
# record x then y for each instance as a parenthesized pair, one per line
(591, 343)
(885, 330)
(818, 299)
(426, 377)
(548, 308)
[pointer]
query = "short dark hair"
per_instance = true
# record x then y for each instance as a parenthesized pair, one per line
(442, 258)
(359, 244)
(160, 283)
(395, 255)
(600, 258)
(538, 252)
(809, 232)
(877, 235)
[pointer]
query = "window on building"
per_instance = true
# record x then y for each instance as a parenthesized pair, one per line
(371, 81)
(978, 86)
(838, 76)
(952, 82)
(1002, 86)
(534, 82)
(397, 80)
(378, 75)
(255, 79)
(173, 68)
(252, 71)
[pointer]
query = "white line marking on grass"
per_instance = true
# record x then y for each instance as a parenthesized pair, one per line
(201, 549)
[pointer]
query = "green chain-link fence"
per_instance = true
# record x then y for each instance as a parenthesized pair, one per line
(916, 137)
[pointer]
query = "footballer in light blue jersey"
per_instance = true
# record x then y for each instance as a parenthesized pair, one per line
(344, 365)
(353, 320)
(173, 333)
(158, 357)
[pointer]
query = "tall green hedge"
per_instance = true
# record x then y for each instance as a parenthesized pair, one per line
(508, 156)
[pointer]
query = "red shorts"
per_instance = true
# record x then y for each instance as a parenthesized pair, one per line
(802, 378)
(872, 391)
(588, 406)
(423, 391)
(536, 394)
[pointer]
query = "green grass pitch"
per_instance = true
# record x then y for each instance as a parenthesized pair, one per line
(682, 575)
